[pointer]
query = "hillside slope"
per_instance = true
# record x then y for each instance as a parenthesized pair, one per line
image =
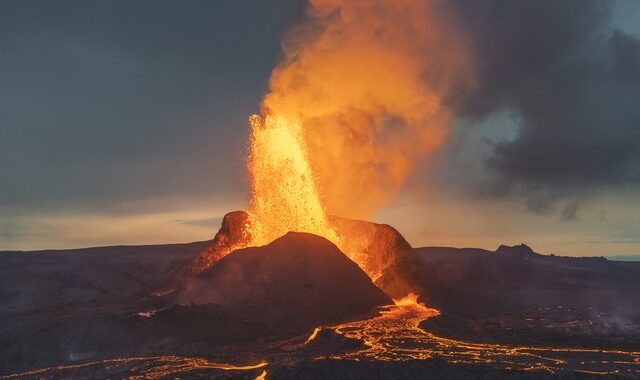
(516, 295)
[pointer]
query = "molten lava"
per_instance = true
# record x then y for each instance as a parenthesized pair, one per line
(284, 194)
(355, 101)
(285, 198)
(410, 299)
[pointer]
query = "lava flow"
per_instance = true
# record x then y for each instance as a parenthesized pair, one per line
(395, 335)
(137, 368)
(392, 336)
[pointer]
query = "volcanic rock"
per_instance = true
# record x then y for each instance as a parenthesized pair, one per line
(473, 281)
(516, 250)
(232, 234)
(383, 252)
(379, 249)
(297, 281)
(515, 295)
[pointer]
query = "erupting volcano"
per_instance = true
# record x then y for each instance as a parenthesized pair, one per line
(285, 198)
(301, 283)
(351, 106)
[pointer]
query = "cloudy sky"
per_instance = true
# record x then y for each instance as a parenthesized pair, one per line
(125, 122)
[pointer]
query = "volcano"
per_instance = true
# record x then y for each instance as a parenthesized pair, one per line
(293, 283)
(296, 282)
(379, 249)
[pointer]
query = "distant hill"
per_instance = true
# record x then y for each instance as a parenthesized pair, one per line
(39, 279)
(516, 295)
(518, 277)
(624, 258)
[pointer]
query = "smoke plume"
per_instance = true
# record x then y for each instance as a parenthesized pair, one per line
(368, 82)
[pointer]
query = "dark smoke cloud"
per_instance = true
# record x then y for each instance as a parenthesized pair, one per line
(573, 81)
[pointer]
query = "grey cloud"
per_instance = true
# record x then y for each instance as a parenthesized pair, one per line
(109, 102)
(574, 82)
(570, 212)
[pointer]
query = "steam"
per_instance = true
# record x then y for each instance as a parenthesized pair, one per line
(367, 81)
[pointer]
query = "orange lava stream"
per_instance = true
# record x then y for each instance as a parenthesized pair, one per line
(395, 335)
(313, 335)
(148, 368)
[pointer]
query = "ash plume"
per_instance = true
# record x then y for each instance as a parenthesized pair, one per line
(367, 81)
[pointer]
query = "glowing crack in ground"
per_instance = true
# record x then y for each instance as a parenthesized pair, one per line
(395, 335)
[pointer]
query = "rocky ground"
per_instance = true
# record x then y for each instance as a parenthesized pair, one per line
(514, 295)
(94, 312)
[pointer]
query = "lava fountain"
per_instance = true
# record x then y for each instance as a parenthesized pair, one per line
(356, 100)
(284, 194)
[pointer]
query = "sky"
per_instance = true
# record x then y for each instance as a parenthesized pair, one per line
(125, 122)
